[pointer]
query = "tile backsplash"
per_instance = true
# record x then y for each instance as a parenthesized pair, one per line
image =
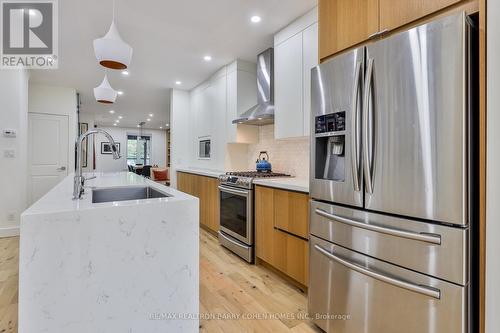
(290, 156)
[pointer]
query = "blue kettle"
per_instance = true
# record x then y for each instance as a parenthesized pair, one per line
(263, 165)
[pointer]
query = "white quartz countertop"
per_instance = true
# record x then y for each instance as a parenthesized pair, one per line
(291, 184)
(60, 198)
(202, 172)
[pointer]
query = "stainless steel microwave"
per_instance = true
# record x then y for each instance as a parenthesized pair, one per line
(204, 148)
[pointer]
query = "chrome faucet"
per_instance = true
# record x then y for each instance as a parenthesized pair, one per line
(79, 180)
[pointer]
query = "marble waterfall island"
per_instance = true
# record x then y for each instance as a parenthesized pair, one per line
(117, 266)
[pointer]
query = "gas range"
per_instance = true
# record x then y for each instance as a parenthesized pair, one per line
(244, 179)
(236, 204)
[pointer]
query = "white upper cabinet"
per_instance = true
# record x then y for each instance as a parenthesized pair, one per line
(241, 96)
(310, 47)
(201, 110)
(288, 99)
(295, 54)
(218, 101)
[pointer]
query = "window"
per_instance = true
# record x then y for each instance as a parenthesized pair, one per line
(138, 149)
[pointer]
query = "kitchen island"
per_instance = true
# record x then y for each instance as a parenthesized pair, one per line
(115, 266)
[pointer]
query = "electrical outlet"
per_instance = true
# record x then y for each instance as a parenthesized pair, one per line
(9, 153)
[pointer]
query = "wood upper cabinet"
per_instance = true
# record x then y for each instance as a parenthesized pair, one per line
(344, 23)
(396, 13)
(281, 222)
(206, 190)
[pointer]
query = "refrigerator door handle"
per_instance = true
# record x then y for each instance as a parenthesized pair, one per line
(423, 237)
(367, 140)
(355, 144)
(424, 290)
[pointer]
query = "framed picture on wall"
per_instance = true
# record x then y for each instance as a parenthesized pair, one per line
(106, 148)
(84, 127)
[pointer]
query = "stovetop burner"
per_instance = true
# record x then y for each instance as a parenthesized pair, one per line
(257, 174)
(244, 179)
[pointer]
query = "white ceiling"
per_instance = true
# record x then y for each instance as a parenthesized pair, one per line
(169, 39)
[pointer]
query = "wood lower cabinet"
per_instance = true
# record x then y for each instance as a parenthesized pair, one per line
(344, 23)
(206, 190)
(281, 224)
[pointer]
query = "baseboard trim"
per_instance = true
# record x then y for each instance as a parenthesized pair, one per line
(9, 232)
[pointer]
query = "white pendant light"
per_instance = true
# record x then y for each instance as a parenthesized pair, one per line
(105, 93)
(111, 51)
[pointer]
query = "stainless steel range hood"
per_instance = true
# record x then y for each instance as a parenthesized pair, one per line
(263, 112)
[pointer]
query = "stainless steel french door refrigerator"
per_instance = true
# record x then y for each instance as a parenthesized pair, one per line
(391, 174)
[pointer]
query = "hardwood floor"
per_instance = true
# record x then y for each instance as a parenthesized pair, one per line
(228, 287)
(9, 276)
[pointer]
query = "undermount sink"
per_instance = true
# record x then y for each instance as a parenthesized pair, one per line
(100, 195)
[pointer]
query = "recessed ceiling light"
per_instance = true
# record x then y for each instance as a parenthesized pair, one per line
(117, 121)
(166, 125)
(178, 82)
(207, 58)
(138, 125)
(120, 92)
(120, 117)
(125, 73)
(148, 119)
(161, 127)
(111, 111)
(115, 124)
(151, 115)
(255, 19)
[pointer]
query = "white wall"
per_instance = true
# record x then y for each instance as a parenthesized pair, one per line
(58, 101)
(106, 163)
(182, 133)
(493, 166)
(13, 180)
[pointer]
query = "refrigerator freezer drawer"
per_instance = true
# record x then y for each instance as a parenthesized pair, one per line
(431, 249)
(353, 293)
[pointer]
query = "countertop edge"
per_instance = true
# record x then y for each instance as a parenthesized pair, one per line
(201, 172)
(282, 185)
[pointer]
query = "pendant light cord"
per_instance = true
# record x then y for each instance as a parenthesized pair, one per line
(113, 10)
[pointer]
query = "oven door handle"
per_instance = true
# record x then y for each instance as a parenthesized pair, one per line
(424, 290)
(233, 191)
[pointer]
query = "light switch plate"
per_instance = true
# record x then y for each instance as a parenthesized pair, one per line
(9, 133)
(9, 153)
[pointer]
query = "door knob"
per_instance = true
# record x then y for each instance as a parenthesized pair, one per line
(63, 168)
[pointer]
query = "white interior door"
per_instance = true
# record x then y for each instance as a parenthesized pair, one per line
(48, 153)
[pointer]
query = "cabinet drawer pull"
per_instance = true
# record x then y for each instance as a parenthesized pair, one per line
(423, 237)
(291, 234)
(424, 290)
(378, 33)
